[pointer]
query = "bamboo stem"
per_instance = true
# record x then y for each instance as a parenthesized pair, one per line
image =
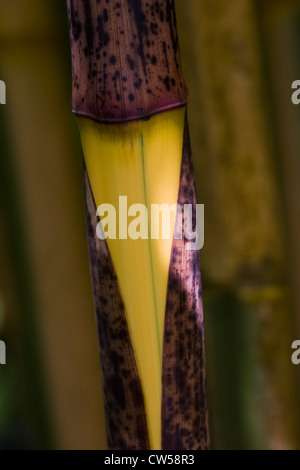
(126, 69)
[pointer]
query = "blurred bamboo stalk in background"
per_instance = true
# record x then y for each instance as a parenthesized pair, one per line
(280, 35)
(249, 321)
(279, 25)
(33, 64)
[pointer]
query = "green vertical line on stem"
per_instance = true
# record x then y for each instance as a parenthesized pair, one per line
(151, 254)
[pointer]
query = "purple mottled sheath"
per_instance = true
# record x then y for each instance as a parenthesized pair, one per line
(126, 66)
(125, 58)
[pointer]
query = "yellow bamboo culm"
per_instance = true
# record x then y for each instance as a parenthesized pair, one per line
(140, 160)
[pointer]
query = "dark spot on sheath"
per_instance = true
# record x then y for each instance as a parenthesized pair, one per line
(117, 388)
(113, 59)
(154, 60)
(136, 393)
(172, 25)
(139, 19)
(164, 46)
(105, 15)
(88, 27)
(102, 34)
(153, 28)
(115, 359)
(130, 62)
(76, 25)
(103, 300)
(167, 83)
(131, 97)
(138, 83)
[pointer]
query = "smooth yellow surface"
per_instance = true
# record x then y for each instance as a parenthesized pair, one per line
(140, 160)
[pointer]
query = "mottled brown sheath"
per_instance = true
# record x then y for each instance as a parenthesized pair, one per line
(184, 405)
(125, 58)
(123, 397)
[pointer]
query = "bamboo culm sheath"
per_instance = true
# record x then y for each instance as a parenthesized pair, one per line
(130, 98)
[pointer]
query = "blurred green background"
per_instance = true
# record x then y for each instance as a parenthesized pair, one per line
(240, 58)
